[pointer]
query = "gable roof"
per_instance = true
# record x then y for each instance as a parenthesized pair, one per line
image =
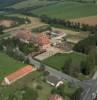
(20, 73)
(53, 79)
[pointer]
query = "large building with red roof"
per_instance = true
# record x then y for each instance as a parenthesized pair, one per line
(18, 74)
(43, 40)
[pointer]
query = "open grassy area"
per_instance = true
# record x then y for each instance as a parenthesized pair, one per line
(68, 10)
(58, 60)
(8, 65)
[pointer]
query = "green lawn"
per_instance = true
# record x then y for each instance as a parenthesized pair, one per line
(8, 65)
(58, 60)
(68, 89)
(68, 10)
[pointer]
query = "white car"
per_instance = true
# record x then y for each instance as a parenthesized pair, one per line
(93, 95)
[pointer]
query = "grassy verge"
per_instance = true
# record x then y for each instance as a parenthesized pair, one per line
(8, 65)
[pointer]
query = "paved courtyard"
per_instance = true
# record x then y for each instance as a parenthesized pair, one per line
(50, 51)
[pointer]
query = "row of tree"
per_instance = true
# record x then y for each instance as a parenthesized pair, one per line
(1, 30)
(87, 45)
(69, 24)
(85, 66)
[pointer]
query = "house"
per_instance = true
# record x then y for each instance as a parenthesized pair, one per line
(18, 74)
(55, 97)
(24, 35)
(54, 81)
(43, 40)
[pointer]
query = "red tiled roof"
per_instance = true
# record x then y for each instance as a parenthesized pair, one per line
(20, 73)
(55, 97)
(43, 39)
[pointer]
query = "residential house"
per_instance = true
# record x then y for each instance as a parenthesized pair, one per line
(54, 81)
(55, 97)
(43, 40)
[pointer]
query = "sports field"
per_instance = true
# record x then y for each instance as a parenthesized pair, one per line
(8, 65)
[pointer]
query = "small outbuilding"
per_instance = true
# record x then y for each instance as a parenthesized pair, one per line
(55, 97)
(54, 81)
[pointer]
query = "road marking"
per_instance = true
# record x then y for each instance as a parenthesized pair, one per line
(86, 94)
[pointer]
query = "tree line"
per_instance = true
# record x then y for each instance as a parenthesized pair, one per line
(69, 24)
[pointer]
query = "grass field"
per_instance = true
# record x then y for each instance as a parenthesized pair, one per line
(68, 10)
(57, 61)
(8, 65)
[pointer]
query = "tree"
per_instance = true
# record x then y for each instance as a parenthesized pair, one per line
(77, 94)
(30, 94)
(59, 90)
(42, 67)
(67, 66)
(1, 29)
(87, 66)
(86, 45)
(12, 97)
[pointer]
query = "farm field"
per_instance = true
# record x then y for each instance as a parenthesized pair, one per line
(7, 23)
(8, 65)
(92, 20)
(68, 10)
(31, 3)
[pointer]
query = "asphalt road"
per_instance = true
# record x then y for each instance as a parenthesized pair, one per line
(90, 88)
